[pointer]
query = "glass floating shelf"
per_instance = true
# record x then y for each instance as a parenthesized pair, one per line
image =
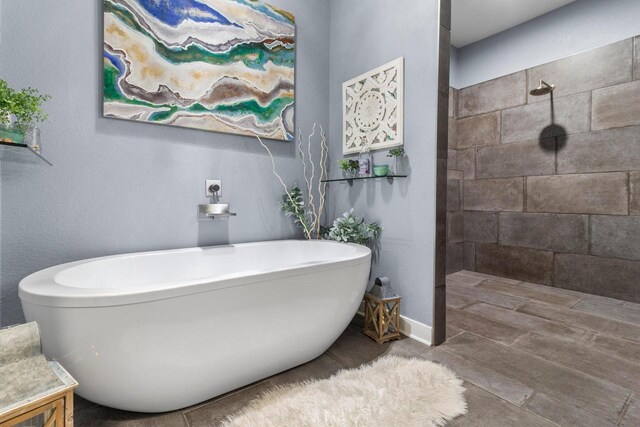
(361, 178)
(21, 153)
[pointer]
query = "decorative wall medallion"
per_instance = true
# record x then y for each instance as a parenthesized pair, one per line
(218, 65)
(372, 109)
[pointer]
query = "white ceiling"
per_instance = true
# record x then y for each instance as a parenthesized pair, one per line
(474, 20)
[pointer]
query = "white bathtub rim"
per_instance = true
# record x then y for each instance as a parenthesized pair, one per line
(41, 289)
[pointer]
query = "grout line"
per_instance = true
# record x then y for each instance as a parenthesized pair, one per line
(553, 269)
(628, 193)
(337, 359)
(626, 171)
(184, 417)
(576, 303)
(525, 205)
(224, 396)
(634, 59)
(464, 307)
(591, 110)
(591, 340)
(625, 408)
(589, 234)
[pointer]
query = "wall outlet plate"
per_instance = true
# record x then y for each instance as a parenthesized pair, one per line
(208, 183)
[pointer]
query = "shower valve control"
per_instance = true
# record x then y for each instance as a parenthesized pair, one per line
(213, 188)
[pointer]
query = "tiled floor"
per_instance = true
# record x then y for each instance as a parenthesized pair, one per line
(530, 355)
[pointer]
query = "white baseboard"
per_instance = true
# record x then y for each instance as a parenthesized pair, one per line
(416, 330)
(413, 329)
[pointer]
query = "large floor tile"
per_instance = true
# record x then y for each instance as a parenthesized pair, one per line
(320, 368)
(452, 331)
(80, 403)
(622, 313)
(457, 279)
(485, 276)
(100, 416)
(490, 297)
(583, 320)
(484, 327)
(488, 410)
(456, 300)
(504, 387)
(632, 416)
(532, 294)
(567, 385)
(353, 348)
(617, 347)
(584, 359)
(580, 295)
(633, 305)
(213, 413)
(565, 414)
(530, 323)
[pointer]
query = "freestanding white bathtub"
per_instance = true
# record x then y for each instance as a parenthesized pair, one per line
(158, 331)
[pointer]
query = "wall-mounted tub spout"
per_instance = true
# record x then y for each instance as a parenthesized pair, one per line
(215, 209)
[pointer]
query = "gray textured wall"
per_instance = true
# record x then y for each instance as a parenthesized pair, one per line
(557, 205)
(120, 186)
(577, 27)
(365, 35)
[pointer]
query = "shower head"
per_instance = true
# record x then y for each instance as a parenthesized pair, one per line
(543, 88)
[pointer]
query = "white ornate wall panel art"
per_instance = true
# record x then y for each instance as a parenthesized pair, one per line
(372, 109)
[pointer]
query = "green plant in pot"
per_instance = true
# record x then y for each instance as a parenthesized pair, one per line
(398, 155)
(351, 229)
(19, 110)
(349, 168)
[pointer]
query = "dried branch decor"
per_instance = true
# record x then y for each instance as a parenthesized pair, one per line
(308, 217)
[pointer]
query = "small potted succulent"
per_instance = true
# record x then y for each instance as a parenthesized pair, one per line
(19, 111)
(349, 168)
(398, 155)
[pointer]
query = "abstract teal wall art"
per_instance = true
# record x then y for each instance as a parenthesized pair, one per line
(219, 65)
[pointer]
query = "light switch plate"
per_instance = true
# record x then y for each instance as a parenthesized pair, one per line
(209, 183)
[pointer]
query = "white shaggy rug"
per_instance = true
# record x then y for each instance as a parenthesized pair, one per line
(393, 391)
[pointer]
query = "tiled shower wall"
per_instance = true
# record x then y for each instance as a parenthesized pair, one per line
(551, 191)
(455, 218)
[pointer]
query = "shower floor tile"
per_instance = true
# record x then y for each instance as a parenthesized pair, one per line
(529, 354)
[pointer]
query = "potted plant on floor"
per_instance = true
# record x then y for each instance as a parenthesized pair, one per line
(19, 110)
(349, 168)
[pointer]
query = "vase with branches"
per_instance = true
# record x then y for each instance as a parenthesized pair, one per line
(307, 216)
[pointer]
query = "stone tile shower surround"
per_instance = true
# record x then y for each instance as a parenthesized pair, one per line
(552, 199)
(455, 216)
